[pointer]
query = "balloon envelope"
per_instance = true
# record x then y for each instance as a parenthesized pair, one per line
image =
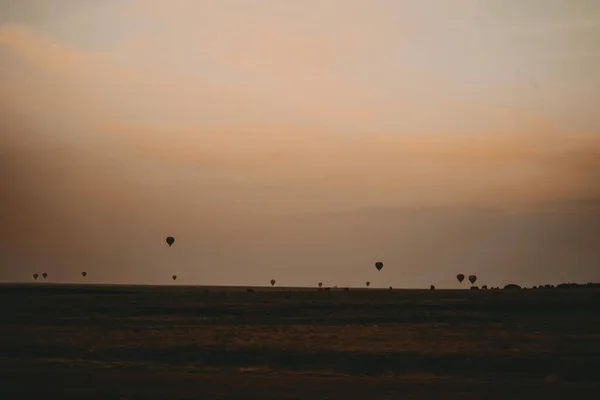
(83, 273)
(44, 275)
(174, 277)
(272, 282)
(368, 283)
(320, 284)
(35, 276)
(379, 265)
(472, 279)
(170, 240)
(460, 277)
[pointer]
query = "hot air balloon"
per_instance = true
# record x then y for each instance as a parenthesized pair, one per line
(368, 283)
(378, 265)
(84, 274)
(320, 284)
(35, 276)
(472, 279)
(174, 277)
(460, 277)
(170, 240)
(45, 275)
(272, 282)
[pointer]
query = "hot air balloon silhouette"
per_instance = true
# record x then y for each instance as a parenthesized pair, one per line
(174, 277)
(170, 240)
(378, 265)
(472, 279)
(320, 284)
(368, 283)
(35, 276)
(460, 277)
(84, 274)
(272, 282)
(45, 275)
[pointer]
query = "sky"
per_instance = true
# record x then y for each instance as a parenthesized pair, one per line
(300, 141)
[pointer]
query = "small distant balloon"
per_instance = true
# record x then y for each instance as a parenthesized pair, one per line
(170, 240)
(174, 277)
(460, 277)
(35, 276)
(378, 265)
(368, 283)
(320, 284)
(272, 282)
(45, 275)
(472, 279)
(84, 274)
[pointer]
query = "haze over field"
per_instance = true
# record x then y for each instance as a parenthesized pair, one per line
(300, 141)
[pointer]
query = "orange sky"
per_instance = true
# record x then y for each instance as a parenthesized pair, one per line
(221, 120)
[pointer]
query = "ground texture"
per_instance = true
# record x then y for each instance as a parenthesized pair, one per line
(114, 342)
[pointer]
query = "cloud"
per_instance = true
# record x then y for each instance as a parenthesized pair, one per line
(54, 56)
(258, 65)
(98, 80)
(250, 96)
(391, 168)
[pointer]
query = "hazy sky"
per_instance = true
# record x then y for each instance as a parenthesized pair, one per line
(258, 132)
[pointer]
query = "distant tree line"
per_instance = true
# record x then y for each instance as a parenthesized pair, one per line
(513, 286)
(588, 285)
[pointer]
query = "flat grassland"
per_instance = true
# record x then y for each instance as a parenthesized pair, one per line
(130, 342)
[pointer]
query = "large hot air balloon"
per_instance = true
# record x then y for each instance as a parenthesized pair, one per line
(472, 279)
(272, 282)
(35, 276)
(460, 277)
(174, 277)
(170, 240)
(84, 274)
(368, 283)
(45, 275)
(378, 265)
(320, 284)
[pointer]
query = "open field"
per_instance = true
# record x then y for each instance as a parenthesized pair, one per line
(128, 342)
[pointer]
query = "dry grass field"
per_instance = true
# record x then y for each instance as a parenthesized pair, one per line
(128, 342)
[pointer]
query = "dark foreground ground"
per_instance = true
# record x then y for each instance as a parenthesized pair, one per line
(102, 342)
